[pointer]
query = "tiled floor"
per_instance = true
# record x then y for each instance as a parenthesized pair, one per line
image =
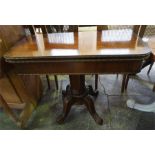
(119, 116)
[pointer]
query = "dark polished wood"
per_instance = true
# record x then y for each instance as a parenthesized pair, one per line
(149, 61)
(96, 81)
(2, 67)
(77, 54)
(127, 80)
(123, 83)
(77, 93)
(139, 30)
(154, 87)
(56, 82)
(48, 82)
(150, 67)
(45, 30)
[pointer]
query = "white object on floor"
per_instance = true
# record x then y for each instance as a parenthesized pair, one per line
(146, 108)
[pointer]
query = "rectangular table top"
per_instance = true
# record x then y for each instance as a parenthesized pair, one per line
(93, 44)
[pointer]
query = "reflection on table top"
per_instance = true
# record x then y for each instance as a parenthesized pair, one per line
(83, 44)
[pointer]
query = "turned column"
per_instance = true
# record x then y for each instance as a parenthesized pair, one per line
(77, 83)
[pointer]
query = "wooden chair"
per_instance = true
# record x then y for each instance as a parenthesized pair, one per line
(150, 67)
(14, 89)
(60, 28)
(99, 28)
(50, 29)
(152, 58)
(45, 31)
(140, 30)
(10, 35)
(137, 29)
(7, 109)
(96, 75)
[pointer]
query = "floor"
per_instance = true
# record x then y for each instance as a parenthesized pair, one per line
(110, 105)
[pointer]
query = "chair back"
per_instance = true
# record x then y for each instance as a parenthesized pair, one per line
(9, 36)
(52, 28)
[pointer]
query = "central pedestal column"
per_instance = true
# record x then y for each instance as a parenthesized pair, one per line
(77, 93)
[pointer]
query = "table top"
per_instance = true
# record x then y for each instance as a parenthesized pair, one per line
(106, 43)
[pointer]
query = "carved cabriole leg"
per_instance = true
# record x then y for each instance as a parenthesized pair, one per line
(78, 93)
(67, 103)
(91, 108)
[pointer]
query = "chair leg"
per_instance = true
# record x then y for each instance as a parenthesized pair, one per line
(8, 110)
(56, 81)
(127, 80)
(154, 87)
(96, 81)
(123, 83)
(150, 68)
(48, 82)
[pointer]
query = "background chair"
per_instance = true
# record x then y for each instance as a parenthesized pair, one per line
(145, 31)
(52, 29)
(151, 43)
(44, 31)
(58, 28)
(117, 27)
(138, 30)
(99, 28)
(9, 36)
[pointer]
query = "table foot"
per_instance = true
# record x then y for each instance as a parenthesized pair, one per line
(91, 108)
(67, 103)
(70, 99)
(92, 92)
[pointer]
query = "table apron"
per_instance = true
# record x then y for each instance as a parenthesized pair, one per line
(109, 67)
